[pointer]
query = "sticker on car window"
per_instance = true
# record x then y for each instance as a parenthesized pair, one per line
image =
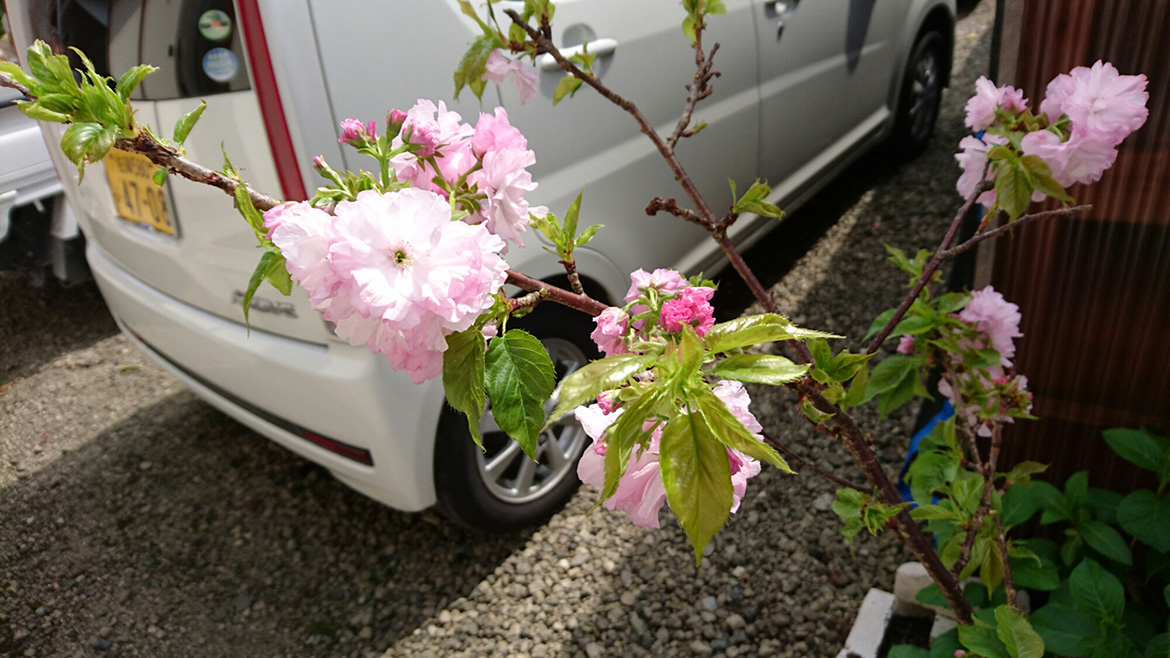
(215, 25)
(220, 64)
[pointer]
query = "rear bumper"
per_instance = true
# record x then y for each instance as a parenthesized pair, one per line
(381, 426)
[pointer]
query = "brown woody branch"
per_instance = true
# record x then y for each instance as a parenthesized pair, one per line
(581, 302)
(1026, 219)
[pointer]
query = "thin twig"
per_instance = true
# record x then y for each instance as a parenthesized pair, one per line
(527, 301)
(167, 157)
(581, 302)
(929, 270)
(998, 231)
(574, 278)
(671, 206)
(1009, 587)
(804, 463)
(988, 471)
(6, 81)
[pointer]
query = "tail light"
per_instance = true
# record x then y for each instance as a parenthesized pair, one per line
(264, 81)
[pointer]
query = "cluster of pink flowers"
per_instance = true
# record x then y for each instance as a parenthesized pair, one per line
(392, 272)
(500, 67)
(678, 303)
(640, 493)
(489, 160)
(1089, 111)
(998, 323)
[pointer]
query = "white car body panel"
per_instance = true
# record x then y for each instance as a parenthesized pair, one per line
(174, 295)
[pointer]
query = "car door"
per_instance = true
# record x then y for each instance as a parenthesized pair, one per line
(826, 71)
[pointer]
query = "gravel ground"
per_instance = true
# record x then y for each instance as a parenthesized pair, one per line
(137, 521)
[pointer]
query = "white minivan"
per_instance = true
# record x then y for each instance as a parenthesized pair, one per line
(806, 87)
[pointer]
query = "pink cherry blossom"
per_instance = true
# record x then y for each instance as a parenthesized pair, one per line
(996, 317)
(392, 272)
(906, 344)
(304, 234)
(610, 333)
(640, 493)
(1082, 158)
(504, 177)
(354, 133)
(499, 67)
(608, 402)
(690, 307)
(973, 160)
(988, 98)
(664, 281)
(444, 135)
(1108, 105)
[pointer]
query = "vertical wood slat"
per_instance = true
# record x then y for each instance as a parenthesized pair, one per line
(1095, 291)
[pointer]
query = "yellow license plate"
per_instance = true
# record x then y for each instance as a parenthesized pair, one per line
(136, 196)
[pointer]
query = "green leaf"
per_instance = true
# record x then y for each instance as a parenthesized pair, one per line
(159, 177)
(1013, 188)
(1026, 574)
(1138, 447)
(13, 70)
(625, 433)
(570, 224)
(900, 395)
(1103, 504)
(983, 641)
(1062, 629)
(186, 122)
(1159, 647)
(1018, 504)
(1051, 500)
(697, 476)
(87, 142)
(888, 374)
(1041, 176)
(277, 275)
(907, 651)
(588, 234)
(759, 369)
(755, 330)
(812, 413)
(472, 66)
(37, 110)
(821, 352)
(1147, 517)
(1097, 591)
(729, 430)
(1017, 634)
(130, 79)
(250, 214)
(1102, 538)
(913, 325)
(258, 276)
(1022, 472)
(879, 322)
(568, 86)
(518, 376)
(463, 375)
(585, 384)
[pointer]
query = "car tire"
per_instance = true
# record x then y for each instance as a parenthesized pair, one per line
(498, 489)
(920, 94)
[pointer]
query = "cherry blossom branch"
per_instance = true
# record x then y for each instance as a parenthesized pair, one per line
(988, 471)
(931, 267)
(526, 301)
(804, 463)
(581, 302)
(698, 89)
(671, 206)
(169, 158)
(998, 231)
